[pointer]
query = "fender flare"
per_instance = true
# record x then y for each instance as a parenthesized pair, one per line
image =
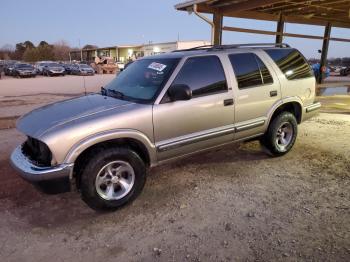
(89, 141)
(281, 102)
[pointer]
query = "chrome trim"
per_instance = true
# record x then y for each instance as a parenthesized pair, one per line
(243, 127)
(313, 107)
(169, 160)
(194, 139)
(183, 141)
(33, 173)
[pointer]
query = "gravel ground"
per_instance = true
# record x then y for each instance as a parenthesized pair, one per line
(230, 204)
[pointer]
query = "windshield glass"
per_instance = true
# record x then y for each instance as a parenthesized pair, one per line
(54, 65)
(23, 66)
(84, 66)
(143, 80)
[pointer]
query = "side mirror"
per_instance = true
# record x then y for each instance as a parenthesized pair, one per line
(180, 92)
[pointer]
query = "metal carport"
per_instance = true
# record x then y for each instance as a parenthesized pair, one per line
(327, 13)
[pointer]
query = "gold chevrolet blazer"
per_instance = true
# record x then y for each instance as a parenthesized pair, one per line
(164, 107)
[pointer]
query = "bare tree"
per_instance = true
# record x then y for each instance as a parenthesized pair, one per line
(61, 50)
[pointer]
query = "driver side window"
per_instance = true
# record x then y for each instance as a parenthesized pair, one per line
(203, 74)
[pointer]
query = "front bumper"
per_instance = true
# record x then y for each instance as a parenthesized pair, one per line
(33, 173)
(87, 73)
(56, 73)
(311, 110)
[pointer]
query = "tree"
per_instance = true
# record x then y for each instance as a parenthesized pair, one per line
(90, 46)
(43, 43)
(31, 55)
(61, 51)
(45, 52)
(21, 48)
(6, 52)
(28, 44)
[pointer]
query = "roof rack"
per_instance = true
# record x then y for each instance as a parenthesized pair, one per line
(224, 47)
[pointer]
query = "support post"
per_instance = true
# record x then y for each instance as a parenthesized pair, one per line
(280, 30)
(324, 54)
(217, 19)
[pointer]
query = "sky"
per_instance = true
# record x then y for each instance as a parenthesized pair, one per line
(119, 22)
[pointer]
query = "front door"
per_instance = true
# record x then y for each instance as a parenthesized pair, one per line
(206, 120)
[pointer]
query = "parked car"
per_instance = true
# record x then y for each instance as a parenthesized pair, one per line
(82, 69)
(53, 69)
(345, 71)
(164, 107)
(23, 70)
(68, 68)
(39, 66)
(8, 67)
(120, 66)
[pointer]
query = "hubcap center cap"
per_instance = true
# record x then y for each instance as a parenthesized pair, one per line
(115, 180)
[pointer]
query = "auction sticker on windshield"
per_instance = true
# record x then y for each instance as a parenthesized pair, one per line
(157, 66)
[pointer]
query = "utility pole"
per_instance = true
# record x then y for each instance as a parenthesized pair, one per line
(81, 51)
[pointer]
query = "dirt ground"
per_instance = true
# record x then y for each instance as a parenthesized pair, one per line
(230, 204)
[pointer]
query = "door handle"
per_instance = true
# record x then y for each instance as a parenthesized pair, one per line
(228, 102)
(273, 93)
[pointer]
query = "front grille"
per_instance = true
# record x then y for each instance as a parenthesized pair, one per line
(37, 152)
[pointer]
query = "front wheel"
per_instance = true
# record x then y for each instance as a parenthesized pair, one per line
(112, 178)
(281, 134)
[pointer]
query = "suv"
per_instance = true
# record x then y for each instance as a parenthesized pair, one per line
(163, 107)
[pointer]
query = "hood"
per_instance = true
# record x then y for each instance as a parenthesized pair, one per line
(40, 120)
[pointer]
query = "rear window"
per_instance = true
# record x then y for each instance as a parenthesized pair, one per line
(250, 71)
(291, 63)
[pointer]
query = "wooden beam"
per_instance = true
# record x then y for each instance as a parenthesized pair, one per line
(324, 54)
(247, 5)
(217, 19)
(280, 30)
(289, 19)
(264, 32)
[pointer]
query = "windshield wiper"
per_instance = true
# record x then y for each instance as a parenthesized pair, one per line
(116, 94)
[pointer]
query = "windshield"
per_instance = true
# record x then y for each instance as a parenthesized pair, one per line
(54, 65)
(84, 66)
(143, 80)
(23, 66)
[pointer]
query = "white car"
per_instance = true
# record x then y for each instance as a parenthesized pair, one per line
(120, 65)
(39, 66)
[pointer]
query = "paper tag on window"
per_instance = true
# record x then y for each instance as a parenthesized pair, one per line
(157, 66)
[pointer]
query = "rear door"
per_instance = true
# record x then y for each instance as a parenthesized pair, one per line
(256, 89)
(206, 120)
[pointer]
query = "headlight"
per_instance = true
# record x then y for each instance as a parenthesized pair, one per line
(37, 151)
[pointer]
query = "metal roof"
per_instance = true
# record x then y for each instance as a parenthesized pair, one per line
(314, 12)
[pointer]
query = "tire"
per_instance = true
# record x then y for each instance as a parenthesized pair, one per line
(281, 134)
(99, 191)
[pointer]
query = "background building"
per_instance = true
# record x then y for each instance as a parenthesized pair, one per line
(132, 52)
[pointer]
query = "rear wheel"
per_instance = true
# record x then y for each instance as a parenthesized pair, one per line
(281, 134)
(112, 178)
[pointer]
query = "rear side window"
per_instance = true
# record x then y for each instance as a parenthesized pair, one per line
(250, 71)
(291, 63)
(204, 75)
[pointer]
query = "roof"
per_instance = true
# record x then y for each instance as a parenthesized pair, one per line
(314, 12)
(215, 49)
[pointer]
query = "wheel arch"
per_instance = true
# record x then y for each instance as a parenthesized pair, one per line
(133, 138)
(135, 144)
(292, 106)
